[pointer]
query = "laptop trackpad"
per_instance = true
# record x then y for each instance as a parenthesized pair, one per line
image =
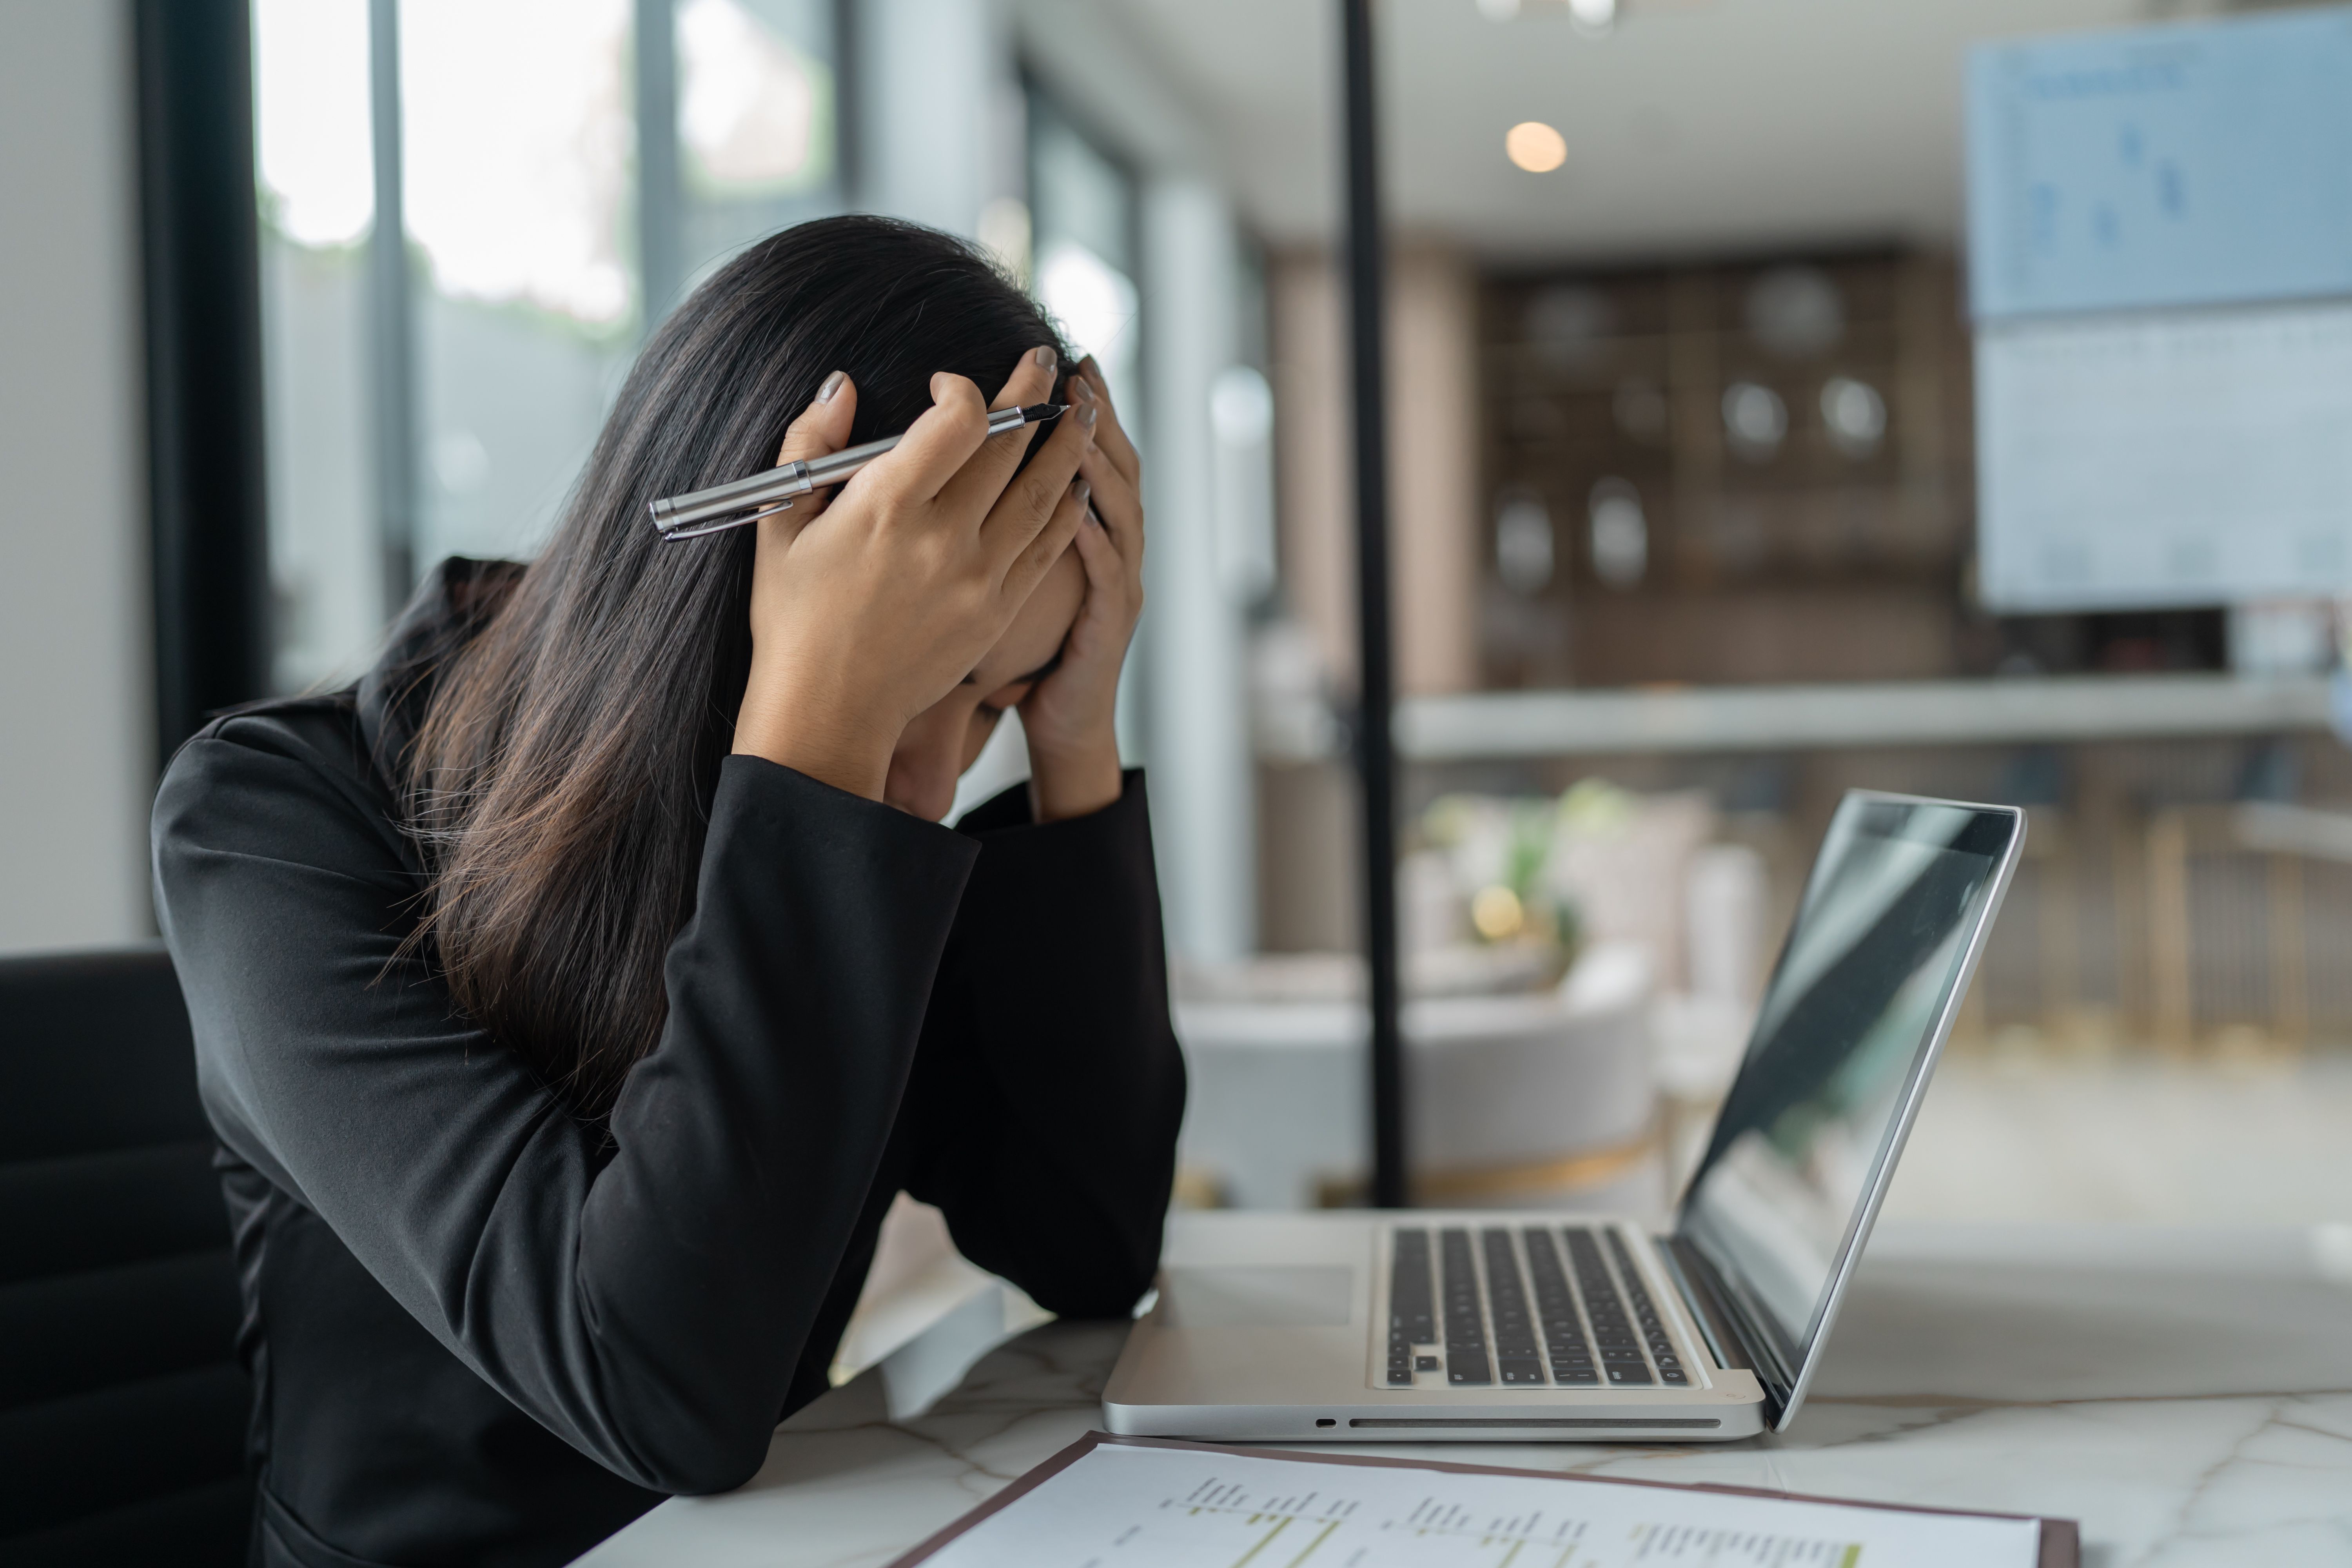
(1264, 1297)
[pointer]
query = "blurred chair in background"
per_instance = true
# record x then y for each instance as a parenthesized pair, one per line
(1567, 959)
(1539, 1097)
(122, 1414)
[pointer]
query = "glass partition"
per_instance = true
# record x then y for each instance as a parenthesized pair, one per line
(1941, 399)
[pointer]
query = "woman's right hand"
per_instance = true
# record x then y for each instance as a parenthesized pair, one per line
(867, 610)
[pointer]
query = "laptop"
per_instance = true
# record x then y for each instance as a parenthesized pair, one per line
(1425, 1325)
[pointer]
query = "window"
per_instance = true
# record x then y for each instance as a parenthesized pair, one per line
(436, 393)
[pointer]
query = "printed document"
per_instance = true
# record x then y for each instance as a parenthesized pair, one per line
(1119, 1507)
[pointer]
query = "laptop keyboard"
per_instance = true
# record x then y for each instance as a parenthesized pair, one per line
(1563, 1319)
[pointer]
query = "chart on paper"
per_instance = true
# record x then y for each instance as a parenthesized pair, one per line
(1166, 1507)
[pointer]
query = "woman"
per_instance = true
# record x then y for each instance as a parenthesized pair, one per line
(573, 994)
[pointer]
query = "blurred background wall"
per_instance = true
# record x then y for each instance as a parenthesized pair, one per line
(76, 765)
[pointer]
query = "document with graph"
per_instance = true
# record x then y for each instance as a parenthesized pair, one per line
(1117, 1502)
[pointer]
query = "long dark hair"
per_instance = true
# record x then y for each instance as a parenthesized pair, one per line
(561, 778)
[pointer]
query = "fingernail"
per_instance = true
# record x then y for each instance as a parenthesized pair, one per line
(1045, 357)
(1088, 413)
(1083, 491)
(832, 385)
(1081, 390)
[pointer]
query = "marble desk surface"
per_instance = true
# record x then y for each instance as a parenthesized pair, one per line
(2184, 1394)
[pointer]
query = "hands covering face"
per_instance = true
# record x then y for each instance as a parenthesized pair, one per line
(868, 610)
(1072, 750)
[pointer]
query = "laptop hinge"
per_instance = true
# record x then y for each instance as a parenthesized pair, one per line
(1717, 1322)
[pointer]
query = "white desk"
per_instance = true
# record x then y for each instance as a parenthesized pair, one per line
(2187, 1394)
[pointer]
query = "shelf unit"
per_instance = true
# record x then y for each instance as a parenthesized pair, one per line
(1506, 724)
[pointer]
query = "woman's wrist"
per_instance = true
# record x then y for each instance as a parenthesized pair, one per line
(826, 736)
(1066, 783)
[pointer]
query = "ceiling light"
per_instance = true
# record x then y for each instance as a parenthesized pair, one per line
(1536, 147)
(1592, 17)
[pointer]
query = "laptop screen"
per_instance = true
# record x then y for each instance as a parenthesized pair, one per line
(1844, 1035)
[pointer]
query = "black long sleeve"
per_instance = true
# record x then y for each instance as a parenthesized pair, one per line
(443, 1266)
(1042, 1020)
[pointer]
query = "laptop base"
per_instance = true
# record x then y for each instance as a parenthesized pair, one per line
(1274, 1328)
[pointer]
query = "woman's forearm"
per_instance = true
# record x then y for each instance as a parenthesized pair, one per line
(1050, 1088)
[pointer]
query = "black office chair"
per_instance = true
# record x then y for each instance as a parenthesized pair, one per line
(122, 1414)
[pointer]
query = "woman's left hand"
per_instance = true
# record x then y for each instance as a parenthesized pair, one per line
(1067, 719)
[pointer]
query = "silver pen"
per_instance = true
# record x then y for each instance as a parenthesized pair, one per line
(721, 507)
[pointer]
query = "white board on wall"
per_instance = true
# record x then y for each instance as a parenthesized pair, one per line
(2139, 461)
(2160, 260)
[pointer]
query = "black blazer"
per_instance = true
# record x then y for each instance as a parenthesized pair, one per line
(483, 1332)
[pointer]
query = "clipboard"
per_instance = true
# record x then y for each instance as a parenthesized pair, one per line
(2061, 1538)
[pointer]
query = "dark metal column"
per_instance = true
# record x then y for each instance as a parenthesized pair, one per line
(208, 484)
(392, 343)
(1375, 754)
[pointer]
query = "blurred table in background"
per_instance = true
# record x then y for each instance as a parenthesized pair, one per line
(2184, 1393)
(2026, 1134)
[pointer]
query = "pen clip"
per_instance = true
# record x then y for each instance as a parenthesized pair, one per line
(723, 524)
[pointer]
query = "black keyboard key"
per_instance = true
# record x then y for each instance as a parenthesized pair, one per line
(1521, 1373)
(1426, 1363)
(1464, 1371)
(1576, 1377)
(1400, 1378)
(1674, 1375)
(1625, 1375)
